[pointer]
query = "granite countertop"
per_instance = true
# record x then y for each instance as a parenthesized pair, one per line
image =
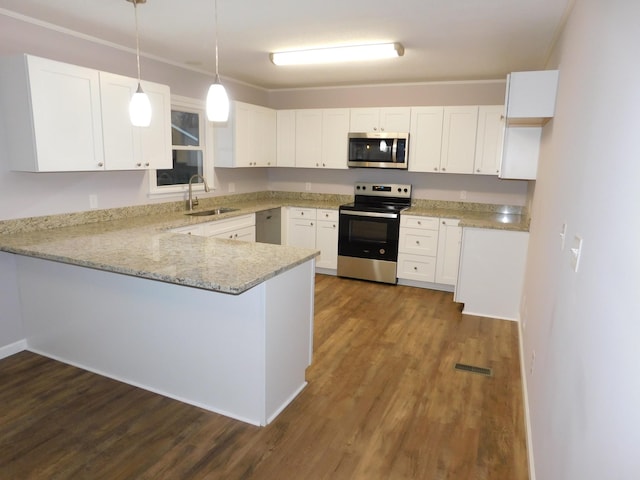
(145, 247)
(478, 219)
(138, 240)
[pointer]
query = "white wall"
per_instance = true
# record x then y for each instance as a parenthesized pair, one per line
(432, 186)
(584, 391)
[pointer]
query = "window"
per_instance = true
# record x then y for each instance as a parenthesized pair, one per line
(191, 149)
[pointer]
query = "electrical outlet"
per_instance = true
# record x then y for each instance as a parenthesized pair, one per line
(307, 186)
(93, 201)
(232, 187)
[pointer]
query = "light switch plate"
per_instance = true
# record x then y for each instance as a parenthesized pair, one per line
(563, 235)
(576, 251)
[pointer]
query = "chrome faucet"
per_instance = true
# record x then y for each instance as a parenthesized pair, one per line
(193, 202)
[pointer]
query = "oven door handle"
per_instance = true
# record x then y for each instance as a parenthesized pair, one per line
(369, 214)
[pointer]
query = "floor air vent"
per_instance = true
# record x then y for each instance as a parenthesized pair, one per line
(472, 369)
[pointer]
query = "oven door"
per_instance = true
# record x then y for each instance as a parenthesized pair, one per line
(368, 245)
(369, 235)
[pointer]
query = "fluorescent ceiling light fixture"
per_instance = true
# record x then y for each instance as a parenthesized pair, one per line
(338, 54)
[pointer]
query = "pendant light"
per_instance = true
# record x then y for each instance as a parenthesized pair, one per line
(140, 105)
(217, 106)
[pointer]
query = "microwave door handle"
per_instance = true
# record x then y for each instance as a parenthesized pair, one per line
(394, 151)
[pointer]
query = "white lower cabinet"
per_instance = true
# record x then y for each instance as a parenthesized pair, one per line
(327, 239)
(311, 228)
(418, 248)
(429, 250)
(491, 273)
(301, 227)
(449, 238)
(236, 228)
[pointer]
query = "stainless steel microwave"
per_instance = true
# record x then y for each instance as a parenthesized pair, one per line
(378, 150)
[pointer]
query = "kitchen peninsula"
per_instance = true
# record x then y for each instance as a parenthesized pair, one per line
(221, 324)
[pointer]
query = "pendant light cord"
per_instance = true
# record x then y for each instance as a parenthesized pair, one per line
(135, 9)
(215, 21)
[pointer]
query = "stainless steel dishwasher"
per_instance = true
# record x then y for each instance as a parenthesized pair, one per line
(268, 225)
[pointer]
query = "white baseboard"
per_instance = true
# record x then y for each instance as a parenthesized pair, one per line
(13, 348)
(527, 414)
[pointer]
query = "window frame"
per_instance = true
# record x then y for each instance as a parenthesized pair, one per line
(191, 105)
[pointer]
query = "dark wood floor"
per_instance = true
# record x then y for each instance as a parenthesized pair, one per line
(383, 402)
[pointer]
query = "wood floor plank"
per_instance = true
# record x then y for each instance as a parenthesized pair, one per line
(383, 402)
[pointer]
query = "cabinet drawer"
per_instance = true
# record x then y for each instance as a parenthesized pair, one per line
(246, 234)
(426, 223)
(419, 242)
(211, 229)
(329, 215)
(308, 213)
(416, 267)
(190, 230)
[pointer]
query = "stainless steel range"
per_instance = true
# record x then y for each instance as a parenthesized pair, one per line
(369, 231)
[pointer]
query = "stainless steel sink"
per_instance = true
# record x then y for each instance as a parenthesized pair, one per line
(213, 211)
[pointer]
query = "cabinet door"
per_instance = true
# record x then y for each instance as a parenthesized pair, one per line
(395, 119)
(248, 139)
(531, 95)
(327, 243)
(308, 138)
(520, 154)
(491, 274)
(459, 139)
(335, 133)
(286, 138)
(127, 147)
(489, 140)
(302, 233)
(242, 123)
(67, 117)
(449, 239)
(418, 241)
(416, 267)
(425, 139)
(364, 119)
(246, 234)
(262, 141)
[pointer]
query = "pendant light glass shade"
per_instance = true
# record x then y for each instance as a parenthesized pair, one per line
(140, 105)
(140, 109)
(217, 102)
(217, 106)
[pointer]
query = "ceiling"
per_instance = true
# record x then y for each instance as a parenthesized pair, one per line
(443, 39)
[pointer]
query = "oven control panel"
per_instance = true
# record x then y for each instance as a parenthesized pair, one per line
(383, 190)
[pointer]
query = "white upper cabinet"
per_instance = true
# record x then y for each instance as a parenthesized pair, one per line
(531, 96)
(425, 139)
(308, 144)
(335, 134)
(61, 118)
(530, 101)
(286, 138)
(321, 138)
(386, 119)
(489, 140)
(459, 139)
(133, 148)
(248, 139)
(52, 115)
